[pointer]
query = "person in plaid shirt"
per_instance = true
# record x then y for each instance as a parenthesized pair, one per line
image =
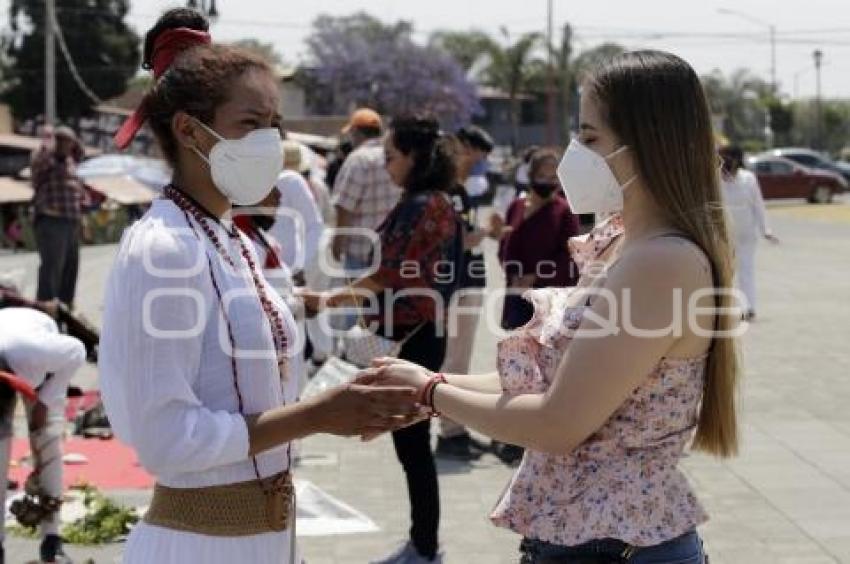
(364, 192)
(57, 203)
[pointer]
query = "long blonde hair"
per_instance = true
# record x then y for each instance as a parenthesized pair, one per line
(655, 103)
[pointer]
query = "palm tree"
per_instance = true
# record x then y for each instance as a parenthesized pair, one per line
(518, 67)
(511, 69)
(470, 49)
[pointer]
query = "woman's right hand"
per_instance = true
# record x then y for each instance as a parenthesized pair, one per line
(353, 409)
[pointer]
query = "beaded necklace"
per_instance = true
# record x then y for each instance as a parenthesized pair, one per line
(202, 217)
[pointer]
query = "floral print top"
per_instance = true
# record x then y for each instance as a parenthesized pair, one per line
(622, 482)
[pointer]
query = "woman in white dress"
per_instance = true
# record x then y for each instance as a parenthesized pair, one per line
(195, 341)
(745, 209)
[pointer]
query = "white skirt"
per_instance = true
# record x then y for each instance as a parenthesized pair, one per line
(148, 544)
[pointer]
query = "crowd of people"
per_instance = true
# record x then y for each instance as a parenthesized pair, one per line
(257, 265)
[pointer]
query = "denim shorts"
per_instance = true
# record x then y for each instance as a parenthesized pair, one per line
(686, 549)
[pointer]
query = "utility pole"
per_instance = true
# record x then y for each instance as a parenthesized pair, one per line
(773, 83)
(772, 29)
(49, 64)
(550, 78)
(818, 55)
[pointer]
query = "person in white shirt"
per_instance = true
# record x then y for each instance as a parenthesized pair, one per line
(195, 348)
(33, 350)
(745, 208)
(301, 159)
(299, 224)
(363, 193)
(316, 216)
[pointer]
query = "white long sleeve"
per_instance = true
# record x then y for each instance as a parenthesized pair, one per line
(758, 207)
(35, 350)
(66, 355)
(148, 368)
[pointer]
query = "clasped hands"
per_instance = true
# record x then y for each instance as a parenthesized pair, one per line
(387, 374)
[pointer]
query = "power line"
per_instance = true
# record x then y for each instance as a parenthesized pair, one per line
(71, 66)
(599, 30)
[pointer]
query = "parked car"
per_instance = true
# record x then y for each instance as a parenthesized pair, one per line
(813, 159)
(844, 166)
(783, 178)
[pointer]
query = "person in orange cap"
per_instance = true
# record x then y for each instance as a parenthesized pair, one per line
(363, 193)
(363, 119)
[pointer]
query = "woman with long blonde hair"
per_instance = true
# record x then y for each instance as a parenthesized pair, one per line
(610, 381)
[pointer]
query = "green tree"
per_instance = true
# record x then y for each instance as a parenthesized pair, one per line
(264, 50)
(104, 49)
(781, 121)
(512, 68)
(367, 27)
(562, 56)
(521, 67)
(835, 124)
(470, 49)
(591, 58)
(743, 101)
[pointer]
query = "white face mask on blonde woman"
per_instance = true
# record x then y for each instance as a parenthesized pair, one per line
(588, 181)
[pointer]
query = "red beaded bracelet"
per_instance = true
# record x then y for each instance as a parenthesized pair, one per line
(426, 397)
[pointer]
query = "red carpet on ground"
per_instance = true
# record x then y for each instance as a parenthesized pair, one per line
(111, 465)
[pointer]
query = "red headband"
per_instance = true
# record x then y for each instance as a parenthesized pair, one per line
(166, 48)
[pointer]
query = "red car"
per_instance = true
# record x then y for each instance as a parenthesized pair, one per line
(783, 178)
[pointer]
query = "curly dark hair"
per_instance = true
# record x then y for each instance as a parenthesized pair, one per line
(198, 81)
(434, 153)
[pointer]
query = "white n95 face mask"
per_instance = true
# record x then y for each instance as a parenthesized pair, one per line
(588, 182)
(245, 170)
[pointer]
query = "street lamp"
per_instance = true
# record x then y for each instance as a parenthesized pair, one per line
(772, 30)
(818, 55)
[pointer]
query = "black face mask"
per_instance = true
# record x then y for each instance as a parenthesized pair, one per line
(544, 189)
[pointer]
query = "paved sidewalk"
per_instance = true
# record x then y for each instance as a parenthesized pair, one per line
(786, 499)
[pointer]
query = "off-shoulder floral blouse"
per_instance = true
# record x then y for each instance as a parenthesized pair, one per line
(623, 481)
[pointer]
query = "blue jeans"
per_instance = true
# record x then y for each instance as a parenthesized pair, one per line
(686, 549)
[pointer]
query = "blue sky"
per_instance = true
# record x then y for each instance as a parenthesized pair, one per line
(694, 30)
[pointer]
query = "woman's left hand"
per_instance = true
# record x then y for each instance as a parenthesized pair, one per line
(387, 371)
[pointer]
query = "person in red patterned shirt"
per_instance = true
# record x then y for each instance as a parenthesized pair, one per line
(57, 203)
(412, 282)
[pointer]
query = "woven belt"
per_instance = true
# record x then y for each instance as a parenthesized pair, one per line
(228, 510)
